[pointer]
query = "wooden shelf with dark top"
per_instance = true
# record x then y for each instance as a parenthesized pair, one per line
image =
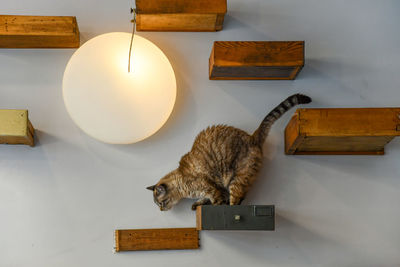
(156, 239)
(180, 15)
(341, 131)
(15, 127)
(238, 217)
(38, 32)
(258, 60)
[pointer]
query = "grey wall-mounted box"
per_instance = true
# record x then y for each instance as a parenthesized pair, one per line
(239, 217)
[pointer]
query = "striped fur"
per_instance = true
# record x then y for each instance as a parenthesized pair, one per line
(222, 164)
(262, 132)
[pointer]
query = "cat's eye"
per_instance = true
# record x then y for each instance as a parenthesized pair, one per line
(160, 189)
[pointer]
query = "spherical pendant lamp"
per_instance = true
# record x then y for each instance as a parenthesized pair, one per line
(111, 104)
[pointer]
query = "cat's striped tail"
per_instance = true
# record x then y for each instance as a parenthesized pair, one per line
(262, 132)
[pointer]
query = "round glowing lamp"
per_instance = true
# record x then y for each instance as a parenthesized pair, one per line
(111, 104)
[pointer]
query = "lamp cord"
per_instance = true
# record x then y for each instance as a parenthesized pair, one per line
(133, 10)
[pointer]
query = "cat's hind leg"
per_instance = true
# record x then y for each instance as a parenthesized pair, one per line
(245, 176)
(239, 187)
(237, 193)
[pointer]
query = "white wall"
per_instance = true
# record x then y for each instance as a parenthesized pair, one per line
(61, 201)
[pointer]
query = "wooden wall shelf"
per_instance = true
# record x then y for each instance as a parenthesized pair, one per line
(38, 32)
(341, 131)
(15, 127)
(260, 60)
(156, 239)
(240, 217)
(180, 15)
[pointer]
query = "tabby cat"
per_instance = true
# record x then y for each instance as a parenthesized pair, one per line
(222, 164)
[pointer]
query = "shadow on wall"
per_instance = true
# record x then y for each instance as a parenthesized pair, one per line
(232, 22)
(33, 63)
(42, 138)
(290, 243)
(328, 76)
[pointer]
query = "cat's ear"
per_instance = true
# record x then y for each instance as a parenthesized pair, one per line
(151, 188)
(161, 189)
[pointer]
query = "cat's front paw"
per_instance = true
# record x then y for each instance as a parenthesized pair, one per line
(219, 202)
(235, 201)
(200, 202)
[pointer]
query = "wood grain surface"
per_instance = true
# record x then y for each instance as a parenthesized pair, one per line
(341, 131)
(38, 32)
(156, 239)
(245, 60)
(181, 6)
(15, 127)
(180, 15)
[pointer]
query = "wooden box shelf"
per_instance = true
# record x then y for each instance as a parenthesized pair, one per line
(15, 127)
(341, 131)
(38, 32)
(261, 60)
(180, 15)
(239, 217)
(156, 239)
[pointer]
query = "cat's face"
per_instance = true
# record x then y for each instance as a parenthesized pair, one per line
(162, 196)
